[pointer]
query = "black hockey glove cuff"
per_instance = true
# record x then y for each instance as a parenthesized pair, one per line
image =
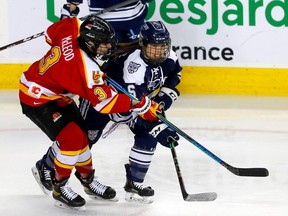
(166, 96)
(163, 134)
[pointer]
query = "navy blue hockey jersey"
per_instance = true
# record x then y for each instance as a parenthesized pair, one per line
(127, 17)
(138, 77)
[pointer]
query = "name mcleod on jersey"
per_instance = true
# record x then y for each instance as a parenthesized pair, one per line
(67, 48)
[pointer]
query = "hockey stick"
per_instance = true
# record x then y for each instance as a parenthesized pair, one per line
(113, 7)
(255, 172)
(209, 196)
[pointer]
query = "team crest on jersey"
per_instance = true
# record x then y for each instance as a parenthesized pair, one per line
(133, 67)
(92, 134)
(35, 91)
(156, 80)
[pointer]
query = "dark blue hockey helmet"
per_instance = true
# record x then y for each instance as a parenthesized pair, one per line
(155, 42)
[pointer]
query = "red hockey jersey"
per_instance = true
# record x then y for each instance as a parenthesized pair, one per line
(66, 71)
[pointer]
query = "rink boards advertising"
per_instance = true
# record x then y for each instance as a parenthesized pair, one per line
(224, 46)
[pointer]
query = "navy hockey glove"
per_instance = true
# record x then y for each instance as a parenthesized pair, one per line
(66, 12)
(166, 96)
(163, 134)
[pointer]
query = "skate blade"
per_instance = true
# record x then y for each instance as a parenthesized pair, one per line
(37, 178)
(115, 199)
(135, 198)
(64, 206)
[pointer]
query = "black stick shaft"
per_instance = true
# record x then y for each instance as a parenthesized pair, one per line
(178, 171)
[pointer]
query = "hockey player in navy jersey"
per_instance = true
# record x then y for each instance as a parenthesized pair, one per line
(152, 68)
(126, 20)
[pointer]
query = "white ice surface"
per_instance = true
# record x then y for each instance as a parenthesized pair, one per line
(243, 131)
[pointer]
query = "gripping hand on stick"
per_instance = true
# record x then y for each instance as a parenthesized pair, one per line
(164, 134)
(147, 109)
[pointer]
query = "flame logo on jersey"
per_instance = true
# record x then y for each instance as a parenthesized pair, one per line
(35, 91)
(133, 67)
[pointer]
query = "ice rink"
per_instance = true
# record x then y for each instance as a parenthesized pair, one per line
(244, 131)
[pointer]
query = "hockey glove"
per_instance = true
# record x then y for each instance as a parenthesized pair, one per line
(67, 11)
(166, 97)
(147, 109)
(163, 134)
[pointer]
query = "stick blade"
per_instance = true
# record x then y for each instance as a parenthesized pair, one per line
(201, 197)
(250, 172)
(256, 172)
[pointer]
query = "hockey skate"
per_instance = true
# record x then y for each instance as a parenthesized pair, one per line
(95, 189)
(43, 177)
(137, 192)
(65, 197)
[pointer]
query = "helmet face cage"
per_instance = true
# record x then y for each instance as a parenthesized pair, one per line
(95, 31)
(155, 42)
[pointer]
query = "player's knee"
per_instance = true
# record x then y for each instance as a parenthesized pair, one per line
(146, 142)
(73, 137)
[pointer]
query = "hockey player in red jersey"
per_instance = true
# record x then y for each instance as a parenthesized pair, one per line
(153, 70)
(46, 93)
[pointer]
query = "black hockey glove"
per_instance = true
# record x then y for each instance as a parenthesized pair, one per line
(166, 96)
(65, 12)
(163, 133)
